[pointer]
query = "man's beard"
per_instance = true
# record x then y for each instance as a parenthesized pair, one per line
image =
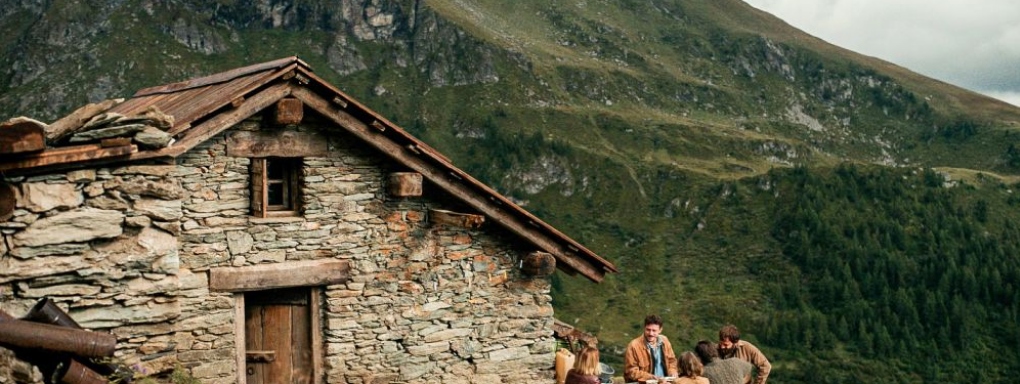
(728, 352)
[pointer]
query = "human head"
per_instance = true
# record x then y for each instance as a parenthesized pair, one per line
(706, 351)
(653, 326)
(587, 362)
(729, 336)
(690, 366)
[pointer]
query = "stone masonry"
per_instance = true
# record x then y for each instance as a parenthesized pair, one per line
(127, 250)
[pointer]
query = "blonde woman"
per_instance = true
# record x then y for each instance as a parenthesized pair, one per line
(690, 370)
(586, 368)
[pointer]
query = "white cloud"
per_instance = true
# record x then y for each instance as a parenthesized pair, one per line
(973, 44)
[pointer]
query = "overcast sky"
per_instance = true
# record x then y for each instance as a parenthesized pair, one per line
(974, 44)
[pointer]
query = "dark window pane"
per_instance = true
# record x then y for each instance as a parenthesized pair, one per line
(275, 168)
(276, 194)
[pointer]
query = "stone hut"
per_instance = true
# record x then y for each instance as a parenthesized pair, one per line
(261, 226)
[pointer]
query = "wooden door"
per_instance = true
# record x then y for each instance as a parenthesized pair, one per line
(278, 339)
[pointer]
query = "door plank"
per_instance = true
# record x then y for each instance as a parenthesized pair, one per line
(301, 341)
(254, 372)
(277, 336)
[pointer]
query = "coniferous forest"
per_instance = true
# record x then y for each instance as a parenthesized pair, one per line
(898, 266)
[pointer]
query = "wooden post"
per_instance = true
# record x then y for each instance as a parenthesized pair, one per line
(405, 184)
(538, 264)
(463, 220)
(288, 111)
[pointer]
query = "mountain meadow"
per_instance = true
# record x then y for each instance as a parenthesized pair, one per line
(857, 221)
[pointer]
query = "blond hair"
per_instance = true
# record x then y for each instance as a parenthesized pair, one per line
(587, 362)
(690, 365)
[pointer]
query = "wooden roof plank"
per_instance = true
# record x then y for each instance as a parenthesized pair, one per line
(222, 121)
(219, 77)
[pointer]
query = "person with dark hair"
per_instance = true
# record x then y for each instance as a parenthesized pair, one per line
(586, 368)
(690, 370)
(730, 345)
(650, 356)
(722, 371)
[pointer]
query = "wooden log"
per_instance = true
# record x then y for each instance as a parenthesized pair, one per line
(277, 144)
(456, 219)
(65, 155)
(8, 201)
(30, 335)
(74, 372)
(404, 184)
(538, 264)
(70, 123)
(279, 275)
(21, 135)
(288, 111)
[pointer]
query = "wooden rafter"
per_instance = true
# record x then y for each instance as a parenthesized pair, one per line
(441, 176)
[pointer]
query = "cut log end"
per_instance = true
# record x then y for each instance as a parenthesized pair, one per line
(538, 264)
(456, 219)
(405, 184)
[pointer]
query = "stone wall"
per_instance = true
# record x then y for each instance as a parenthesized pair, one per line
(101, 244)
(425, 302)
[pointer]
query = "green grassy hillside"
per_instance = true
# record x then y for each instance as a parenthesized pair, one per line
(733, 167)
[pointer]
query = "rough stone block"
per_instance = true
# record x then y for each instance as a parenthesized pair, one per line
(42, 197)
(72, 227)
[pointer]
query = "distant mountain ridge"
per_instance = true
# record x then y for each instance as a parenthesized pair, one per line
(662, 134)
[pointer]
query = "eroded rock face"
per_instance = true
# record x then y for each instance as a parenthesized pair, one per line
(73, 226)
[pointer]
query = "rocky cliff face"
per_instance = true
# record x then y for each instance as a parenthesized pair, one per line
(59, 56)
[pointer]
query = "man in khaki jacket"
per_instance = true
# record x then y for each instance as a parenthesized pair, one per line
(650, 356)
(730, 345)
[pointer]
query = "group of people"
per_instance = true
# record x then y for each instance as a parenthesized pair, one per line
(650, 357)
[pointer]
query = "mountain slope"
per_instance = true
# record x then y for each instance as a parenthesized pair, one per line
(669, 136)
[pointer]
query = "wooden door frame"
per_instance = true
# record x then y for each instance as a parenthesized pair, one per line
(240, 338)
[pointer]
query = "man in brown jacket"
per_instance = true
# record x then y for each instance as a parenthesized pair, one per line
(730, 345)
(650, 356)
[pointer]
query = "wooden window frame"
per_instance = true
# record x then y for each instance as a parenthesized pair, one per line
(261, 182)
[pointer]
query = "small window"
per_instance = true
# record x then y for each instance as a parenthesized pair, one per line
(274, 186)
